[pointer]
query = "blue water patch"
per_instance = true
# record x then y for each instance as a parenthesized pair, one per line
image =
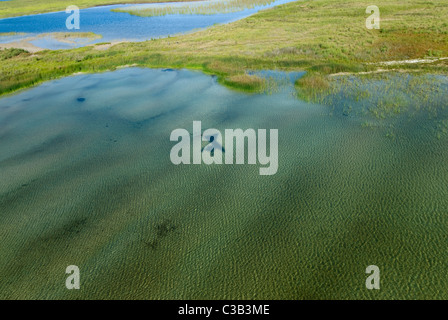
(50, 42)
(118, 25)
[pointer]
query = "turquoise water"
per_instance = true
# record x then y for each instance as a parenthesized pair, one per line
(87, 180)
(115, 25)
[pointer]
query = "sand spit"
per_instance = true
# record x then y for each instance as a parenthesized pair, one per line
(22, 44)
(69, 38)
(411, 61)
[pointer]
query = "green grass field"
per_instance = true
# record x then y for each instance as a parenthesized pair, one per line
(322, 36)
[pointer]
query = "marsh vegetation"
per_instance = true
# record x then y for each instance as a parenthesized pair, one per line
(294, 36)
(199, 7)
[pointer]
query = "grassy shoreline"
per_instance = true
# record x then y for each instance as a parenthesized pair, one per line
(16, 8)
(204, 7)
(321, 36)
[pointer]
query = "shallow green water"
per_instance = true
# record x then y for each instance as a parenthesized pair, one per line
(86, 180)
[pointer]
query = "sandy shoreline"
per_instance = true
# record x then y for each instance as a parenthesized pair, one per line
(22, 44)
(25, 44)
(69, 38)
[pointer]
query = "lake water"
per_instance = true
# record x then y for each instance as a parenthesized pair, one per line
(115, 25)
(87, 180)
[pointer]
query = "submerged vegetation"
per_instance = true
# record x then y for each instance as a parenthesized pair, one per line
(386, 94)
(320, 36)
(312, 86)
(68, 37)
(83, 165)
(346, 196)
(72, 35)
(383, 99)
